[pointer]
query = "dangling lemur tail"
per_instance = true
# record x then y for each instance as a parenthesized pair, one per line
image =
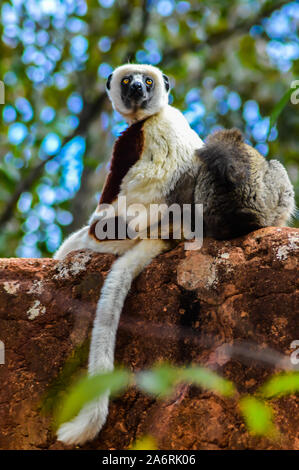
(86, 425)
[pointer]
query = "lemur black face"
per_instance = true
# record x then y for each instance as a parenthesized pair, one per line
(137, 90)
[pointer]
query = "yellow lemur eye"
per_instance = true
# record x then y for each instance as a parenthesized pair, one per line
(149, 81)
(126, 81)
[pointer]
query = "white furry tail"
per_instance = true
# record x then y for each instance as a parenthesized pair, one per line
(86, 425)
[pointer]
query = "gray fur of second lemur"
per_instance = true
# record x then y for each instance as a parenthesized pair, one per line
(240, 190)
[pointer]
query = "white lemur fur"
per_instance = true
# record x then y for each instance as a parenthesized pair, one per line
(166, 146)
(240, 191)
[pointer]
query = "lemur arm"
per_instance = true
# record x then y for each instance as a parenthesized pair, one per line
(81, 240)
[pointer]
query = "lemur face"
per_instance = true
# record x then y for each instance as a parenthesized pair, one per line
(138, 91)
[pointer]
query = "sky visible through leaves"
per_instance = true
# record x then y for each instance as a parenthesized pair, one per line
(230, 62)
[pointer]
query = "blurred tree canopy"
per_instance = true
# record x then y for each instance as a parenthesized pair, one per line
(230, 63)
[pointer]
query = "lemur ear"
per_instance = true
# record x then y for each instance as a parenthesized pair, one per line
(109, 81)
(166, 82)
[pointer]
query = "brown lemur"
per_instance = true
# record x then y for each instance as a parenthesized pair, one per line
(160, 159)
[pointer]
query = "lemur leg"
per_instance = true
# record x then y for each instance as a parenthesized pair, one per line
(286, 209)
(277, 182)
(81, 240)
(76, 241)
(86, 425)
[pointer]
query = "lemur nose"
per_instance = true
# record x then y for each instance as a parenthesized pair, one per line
(136, 88)
(137, 85)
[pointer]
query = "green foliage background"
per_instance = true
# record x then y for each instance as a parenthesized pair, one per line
(225, 60)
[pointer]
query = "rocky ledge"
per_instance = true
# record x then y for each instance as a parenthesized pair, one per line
(186, 307)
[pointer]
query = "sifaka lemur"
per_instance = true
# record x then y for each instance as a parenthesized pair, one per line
(160, 159)
(240, 190)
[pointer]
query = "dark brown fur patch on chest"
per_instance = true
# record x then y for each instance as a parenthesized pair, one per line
(126, 152)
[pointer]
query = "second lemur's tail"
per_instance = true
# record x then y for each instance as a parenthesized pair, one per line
(86, 425)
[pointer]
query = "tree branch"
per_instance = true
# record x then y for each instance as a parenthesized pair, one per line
(88, 114)
(219, 37)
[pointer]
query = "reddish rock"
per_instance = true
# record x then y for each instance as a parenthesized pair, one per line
(183, 308)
